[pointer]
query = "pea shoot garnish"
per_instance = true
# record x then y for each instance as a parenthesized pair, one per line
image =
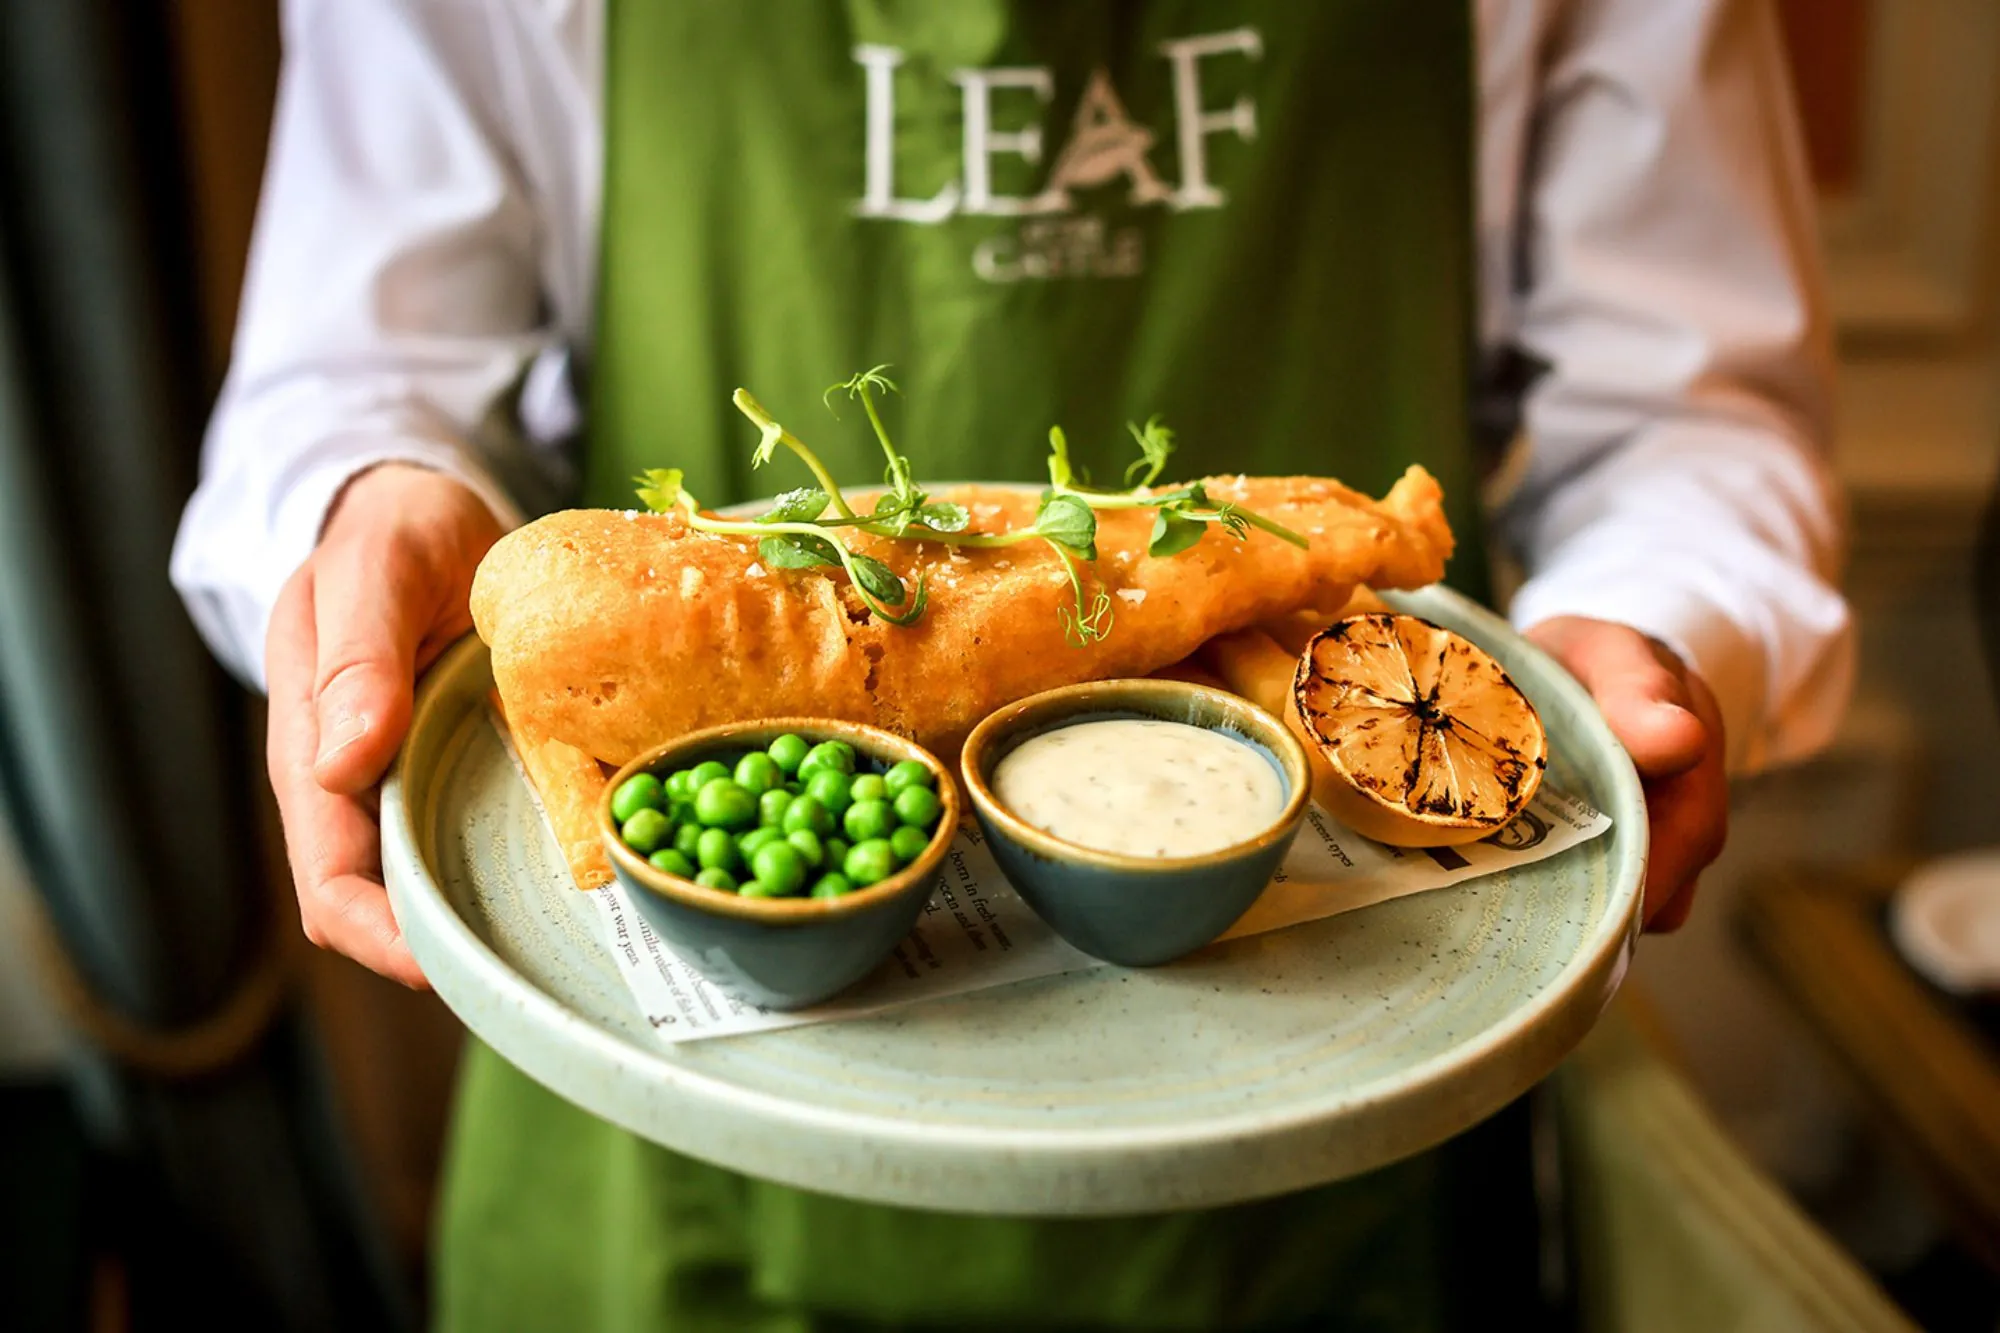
(809, 526)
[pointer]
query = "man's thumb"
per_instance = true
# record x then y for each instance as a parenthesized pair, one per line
(371, 614)
(1639, 690)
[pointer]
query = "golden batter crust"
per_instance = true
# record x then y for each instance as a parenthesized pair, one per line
(612, 632)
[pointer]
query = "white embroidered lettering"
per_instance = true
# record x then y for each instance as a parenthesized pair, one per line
(1193, 125)
(982, 141)
(878, 195)
(1104, 144)
(993, 260)
(1053, 248)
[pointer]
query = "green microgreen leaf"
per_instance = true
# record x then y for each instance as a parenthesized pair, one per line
(910, 616)
(1061, 474)
(769, 433)
(1156, 444)
(1173, 533)
(1068, 520)
(1232, 520)
(659, 489)
(1194, 494)
(794, 550)
(894, 513)
(875, 578)
(944, 516)
(797, 506)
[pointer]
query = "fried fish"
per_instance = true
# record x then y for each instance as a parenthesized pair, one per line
(569, 784)
(613, 631)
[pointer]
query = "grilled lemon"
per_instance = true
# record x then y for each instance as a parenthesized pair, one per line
(1433, 743)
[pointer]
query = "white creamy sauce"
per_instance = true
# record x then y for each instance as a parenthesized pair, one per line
(1141, 787)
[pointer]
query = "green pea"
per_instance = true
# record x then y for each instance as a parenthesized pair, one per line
(716, 850)
(868, 819)
(906, 773)
(755, 838)
(647, 831)
(788, 752)
(836, 851)
(810, 849)
(757, 773)
(681, 786)
(687, 839)
(716, 878)
(704, 773)
(779, 868)
(869, 862)
(831, 790)
(724, 803)
(869, 787)
(672, 862)
(831, 886)
(908, 843)
(771, 807)
(641, 791)
(809, 814)
(918, 807)
(835, 755)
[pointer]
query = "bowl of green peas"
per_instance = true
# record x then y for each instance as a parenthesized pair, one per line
(783, 859)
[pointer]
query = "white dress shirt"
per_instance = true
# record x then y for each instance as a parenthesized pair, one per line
(429, 226)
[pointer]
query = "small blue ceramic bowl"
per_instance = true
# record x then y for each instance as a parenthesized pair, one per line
(1135, 910)
(781, 953)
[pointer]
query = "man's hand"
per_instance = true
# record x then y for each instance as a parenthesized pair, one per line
(381, 597)
(1670, 725)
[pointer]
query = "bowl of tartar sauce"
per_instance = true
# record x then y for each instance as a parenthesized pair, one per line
(1139, 818)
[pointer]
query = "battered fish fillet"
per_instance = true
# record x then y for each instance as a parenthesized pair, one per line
(612, 632)
(570, 784)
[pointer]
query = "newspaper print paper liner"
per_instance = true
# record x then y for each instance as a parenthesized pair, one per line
(1262, 1064)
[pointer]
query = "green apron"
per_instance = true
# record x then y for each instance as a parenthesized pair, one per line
(1251, 218)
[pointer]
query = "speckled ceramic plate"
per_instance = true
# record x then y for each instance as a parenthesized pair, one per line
(1257, 1066)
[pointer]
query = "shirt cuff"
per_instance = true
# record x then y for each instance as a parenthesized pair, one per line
(307, 496)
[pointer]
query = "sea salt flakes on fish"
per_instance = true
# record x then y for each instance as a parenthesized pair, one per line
(1132, 595)
(756, 571)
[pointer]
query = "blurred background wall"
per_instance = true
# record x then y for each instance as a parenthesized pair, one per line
(394, 1052)
(1898, 98)
(1899, 102)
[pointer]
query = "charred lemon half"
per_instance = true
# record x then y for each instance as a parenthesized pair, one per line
(1434, 745)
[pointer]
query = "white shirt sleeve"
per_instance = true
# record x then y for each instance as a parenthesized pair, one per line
(1675, 478)
(392, 295)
